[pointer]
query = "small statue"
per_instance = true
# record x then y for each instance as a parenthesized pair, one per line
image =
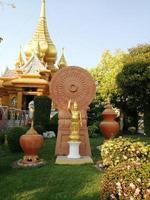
(76, 120)
(31, 109)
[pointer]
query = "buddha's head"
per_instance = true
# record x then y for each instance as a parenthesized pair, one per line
(75, 105)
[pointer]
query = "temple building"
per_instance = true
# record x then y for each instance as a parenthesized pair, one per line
(32, 75)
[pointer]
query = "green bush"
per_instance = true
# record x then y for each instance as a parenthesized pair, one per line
(117, 150)
(54, 124)
(42, 106)
(13, 136)
(126, 181)
(93, 130)
(39, 129)
(95, 112)
(2, 138)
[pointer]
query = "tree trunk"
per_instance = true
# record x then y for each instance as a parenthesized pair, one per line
(135, 121)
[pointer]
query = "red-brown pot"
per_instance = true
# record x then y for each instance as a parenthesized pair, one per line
(109, 127)
(31, 143)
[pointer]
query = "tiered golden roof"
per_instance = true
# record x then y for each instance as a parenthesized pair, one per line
(48, 53)
(31, 78)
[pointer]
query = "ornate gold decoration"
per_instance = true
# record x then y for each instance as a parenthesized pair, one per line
(76, 120)
(20, 62)
(30, 158)
(62, 62)
(38, 50)
(48, 52)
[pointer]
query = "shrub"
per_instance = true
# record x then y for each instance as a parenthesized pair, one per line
(2, 138)
(128, 180)
(54, 124)
(42, 106)
(92, 130)
(94, 111)
(13, 136)
(115, 151)
(39, 129)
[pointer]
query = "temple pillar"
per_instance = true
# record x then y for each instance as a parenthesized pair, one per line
(1, 97)
(5, 100)
(19, 98)
(0, 101)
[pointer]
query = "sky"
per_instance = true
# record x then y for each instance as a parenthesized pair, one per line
(85, 28)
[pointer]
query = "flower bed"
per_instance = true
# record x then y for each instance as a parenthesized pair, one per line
(126, 181)
(120, 149)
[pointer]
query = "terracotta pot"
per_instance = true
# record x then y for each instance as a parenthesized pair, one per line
(109, 127)
(31, 143)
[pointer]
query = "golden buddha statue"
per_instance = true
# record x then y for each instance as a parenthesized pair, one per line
(76, 120)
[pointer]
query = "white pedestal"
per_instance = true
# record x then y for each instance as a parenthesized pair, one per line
(74, 150)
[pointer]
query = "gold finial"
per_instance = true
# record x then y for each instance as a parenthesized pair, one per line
(62, 62)
(20, 62)
(43, 10)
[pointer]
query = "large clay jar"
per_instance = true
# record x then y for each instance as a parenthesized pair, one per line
(31, 143)
(109, 127)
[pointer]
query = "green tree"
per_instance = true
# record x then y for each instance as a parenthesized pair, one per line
(41, 120)
(106, 71)
(134, 82)
(104, 75)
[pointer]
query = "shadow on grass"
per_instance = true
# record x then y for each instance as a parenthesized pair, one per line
(57, 182)
(50, 182)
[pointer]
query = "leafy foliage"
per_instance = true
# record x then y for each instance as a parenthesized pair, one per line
(2, 138)
(106, 71)
(42, 106)
(13, 136)
(93, 130)
(54, 124)
(94, 112)
(105, 74)
(134, 81)
(128, 180)
(120, 149)
(39, 129)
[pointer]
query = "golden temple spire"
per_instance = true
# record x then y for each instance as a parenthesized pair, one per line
(62, 62)
(43, 11)
(41, 35)
(19, 62)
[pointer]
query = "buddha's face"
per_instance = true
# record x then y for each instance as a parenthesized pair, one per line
(75, 106)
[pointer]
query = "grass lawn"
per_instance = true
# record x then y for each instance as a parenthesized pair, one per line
(50, 182)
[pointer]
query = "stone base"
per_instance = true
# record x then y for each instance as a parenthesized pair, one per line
(20, 163)
(64, 160)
